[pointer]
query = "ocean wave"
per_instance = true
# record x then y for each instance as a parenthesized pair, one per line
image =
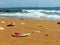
(35, 14)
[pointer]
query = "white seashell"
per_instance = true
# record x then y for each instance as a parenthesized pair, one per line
(27, 34)
(23, 23)
(13, 23)
(2, 21)
(1, 28)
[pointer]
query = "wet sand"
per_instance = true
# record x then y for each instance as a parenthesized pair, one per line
(43, 32)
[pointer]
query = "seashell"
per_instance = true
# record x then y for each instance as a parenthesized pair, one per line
(2, 21)
(22, 23)
(1, 28)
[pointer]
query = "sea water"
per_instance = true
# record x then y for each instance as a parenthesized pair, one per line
(41, 13)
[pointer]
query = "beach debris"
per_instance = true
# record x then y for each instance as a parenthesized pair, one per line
(1, 28)
(16, 34)
(11, 24)
(58, 22)
(2, 21)
(22, 23)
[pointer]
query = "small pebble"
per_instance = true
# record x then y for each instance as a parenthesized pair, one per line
(11, 24)
(58, 22)
(46, 35)
(40, 26)
(22, 19)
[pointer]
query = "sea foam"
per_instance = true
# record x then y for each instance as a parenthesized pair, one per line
(35, 14)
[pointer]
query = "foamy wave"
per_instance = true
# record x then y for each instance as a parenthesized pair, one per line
(36, 14)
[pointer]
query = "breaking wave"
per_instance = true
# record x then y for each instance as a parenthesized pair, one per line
(35, 14)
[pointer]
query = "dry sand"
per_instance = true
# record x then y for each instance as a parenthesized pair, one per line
(43, 32)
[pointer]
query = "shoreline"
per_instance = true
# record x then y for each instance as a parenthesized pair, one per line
(28, 18)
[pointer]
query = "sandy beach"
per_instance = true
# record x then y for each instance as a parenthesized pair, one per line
(42, 32)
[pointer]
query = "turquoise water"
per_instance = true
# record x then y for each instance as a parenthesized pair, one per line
(32, 8)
